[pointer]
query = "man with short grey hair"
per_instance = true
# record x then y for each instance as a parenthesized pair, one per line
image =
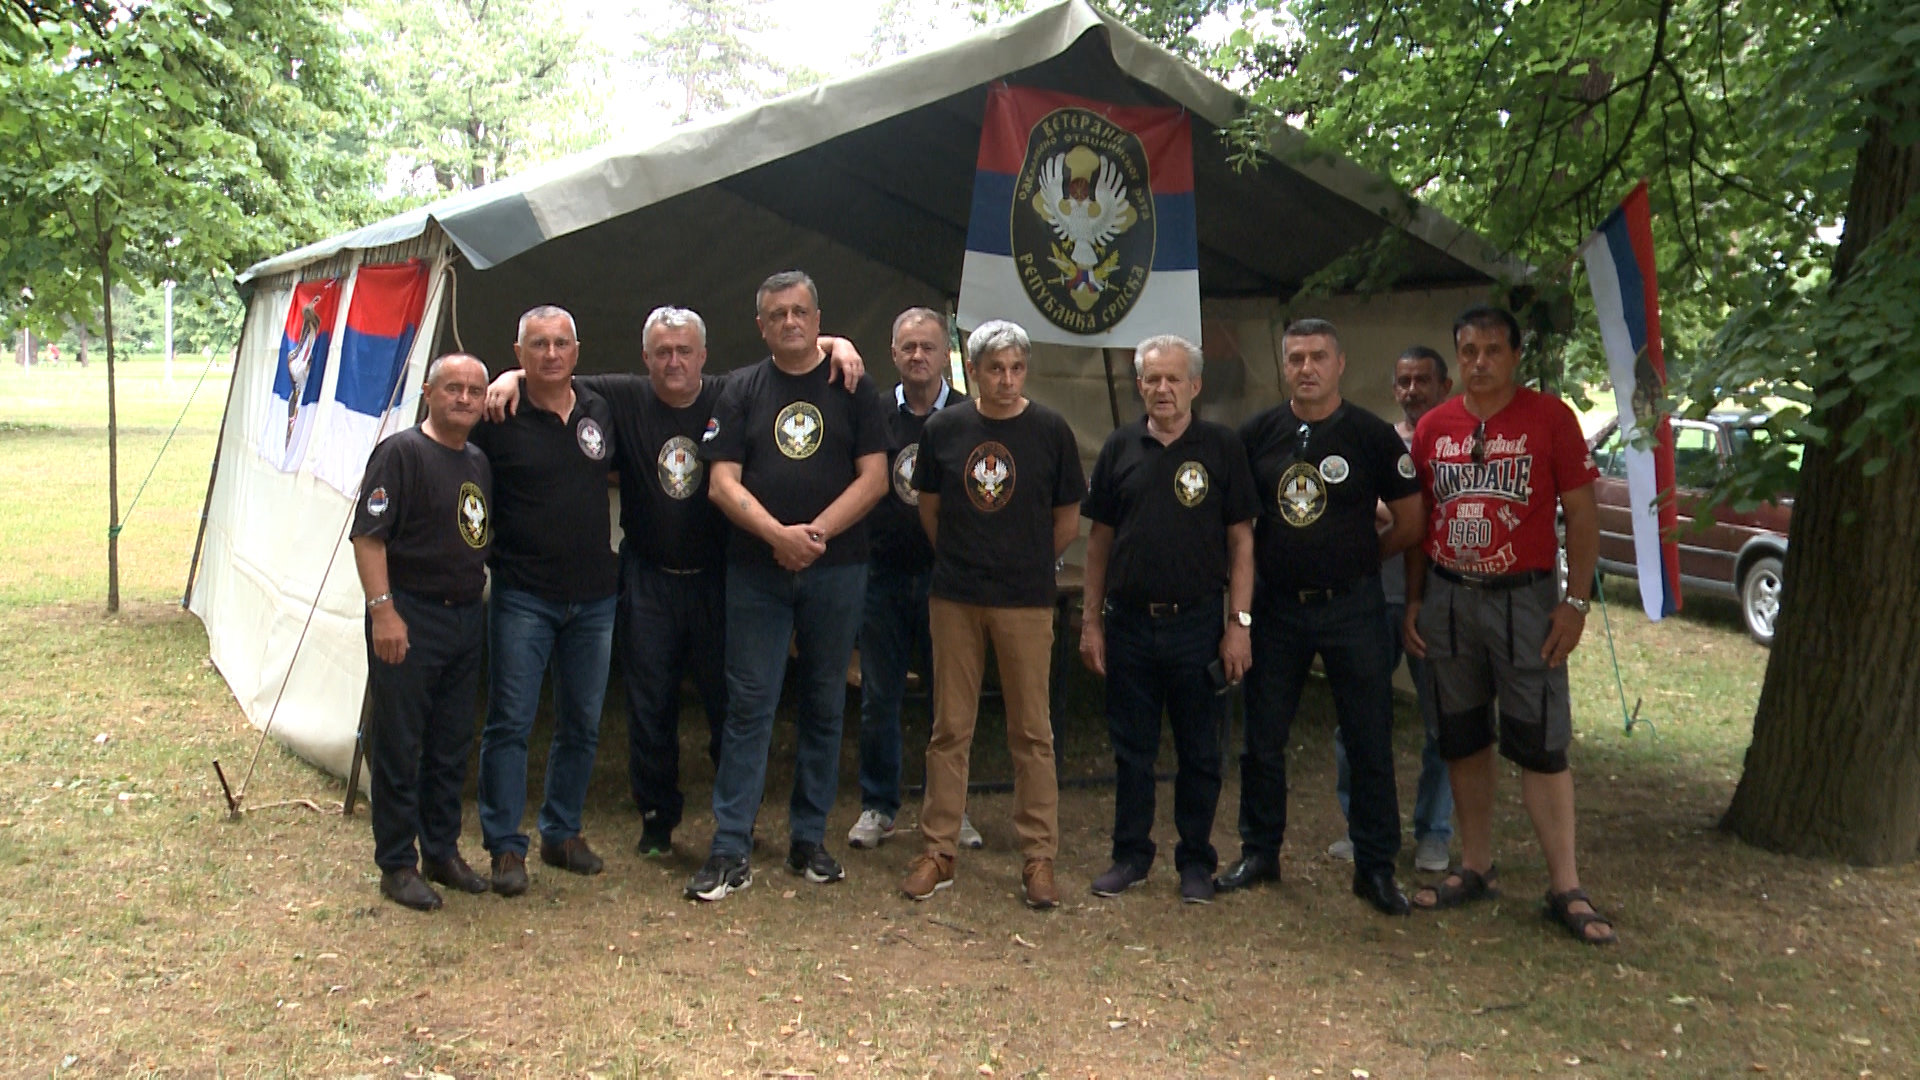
(1000, 486)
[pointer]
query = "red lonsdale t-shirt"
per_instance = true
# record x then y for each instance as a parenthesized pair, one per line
(1496, 516)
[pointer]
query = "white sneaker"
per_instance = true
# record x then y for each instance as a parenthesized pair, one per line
(1341, 849)
(1430, 854)
(872, 828)
(970, 837)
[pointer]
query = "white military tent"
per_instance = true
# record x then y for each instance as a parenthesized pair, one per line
(866, 183)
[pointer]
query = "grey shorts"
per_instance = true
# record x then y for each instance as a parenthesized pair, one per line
(1488, 680)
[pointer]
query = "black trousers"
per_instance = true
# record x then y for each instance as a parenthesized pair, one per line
(420, 730)
(1349, 633)
(1154, 666)
(668, 626)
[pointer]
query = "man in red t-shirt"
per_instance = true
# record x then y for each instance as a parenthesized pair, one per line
(1490, 619)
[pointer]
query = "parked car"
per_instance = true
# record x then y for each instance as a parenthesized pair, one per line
(1738, 554)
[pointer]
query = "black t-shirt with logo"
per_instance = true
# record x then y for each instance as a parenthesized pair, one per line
(796, 439)
(899, 540)
(554, 536)
(433, 506)
(998, 482)
(664, 510)
(1316, 527)
(1169, 507)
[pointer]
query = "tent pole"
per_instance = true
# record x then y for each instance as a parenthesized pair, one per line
(359, 753)
(1113, 398)
(213, 472)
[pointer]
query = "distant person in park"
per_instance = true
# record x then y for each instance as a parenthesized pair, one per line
(893, 632)
(1000, 486)
(421, 532)
(1322, 465)
(1485, 608)
(671, 619)
(1419, 383)
(1169, 600)
(552, 603)
(796, 463)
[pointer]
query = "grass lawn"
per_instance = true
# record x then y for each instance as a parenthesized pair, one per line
(143, 933)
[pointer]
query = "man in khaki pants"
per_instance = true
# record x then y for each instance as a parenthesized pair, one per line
(1000, 487)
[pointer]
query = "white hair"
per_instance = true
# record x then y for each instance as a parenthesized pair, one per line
(995, 335)
(434, 365)
(545, 311)
(1168, 343)
(673, 318)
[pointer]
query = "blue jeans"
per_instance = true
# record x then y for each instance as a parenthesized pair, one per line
(818, 609)
(892, 636)
(1154, 666)
(1433, 800)
(525, 634)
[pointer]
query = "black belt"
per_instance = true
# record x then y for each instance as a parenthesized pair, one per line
(1165, 611)
(1491, 582)
(1324, 596)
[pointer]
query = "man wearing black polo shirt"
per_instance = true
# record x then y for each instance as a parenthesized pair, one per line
(1321, 465)
(420, 537)
(1000, 487)
(1172, 505)
(795, 462)
(552, 600)
(893, 632)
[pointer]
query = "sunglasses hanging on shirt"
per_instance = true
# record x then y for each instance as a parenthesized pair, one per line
(1478, 448)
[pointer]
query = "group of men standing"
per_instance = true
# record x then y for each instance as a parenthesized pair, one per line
(789, 509)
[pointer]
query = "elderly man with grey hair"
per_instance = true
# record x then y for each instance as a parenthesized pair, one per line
(1000, 486)
(1172, 505)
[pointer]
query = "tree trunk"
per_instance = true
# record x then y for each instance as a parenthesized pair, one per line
(1834, 768)
(113, 435)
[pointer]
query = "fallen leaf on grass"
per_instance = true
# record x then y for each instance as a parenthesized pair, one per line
(986, 1070)
(1116, 1025)
(1854, 1039)
(1023, 942)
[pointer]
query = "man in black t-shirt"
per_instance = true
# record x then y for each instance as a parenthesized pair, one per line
(795, 462)
(421, 530)
(893, 631)
(1172, 505)
(1321, 466)
(552, 601)
(1000, 487)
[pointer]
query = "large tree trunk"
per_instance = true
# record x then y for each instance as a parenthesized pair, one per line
(1834, 768)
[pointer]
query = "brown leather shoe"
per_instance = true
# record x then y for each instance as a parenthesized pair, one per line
(927, 875)
(404, 887)
(1041, 893)
(572, 855)
(509, 873)
(456, 874)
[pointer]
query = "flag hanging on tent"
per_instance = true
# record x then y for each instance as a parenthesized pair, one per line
(382, 319)
(1626, 299)
(305, 345)
(1082, 228)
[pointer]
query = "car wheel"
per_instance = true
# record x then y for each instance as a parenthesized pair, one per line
(1760, 598)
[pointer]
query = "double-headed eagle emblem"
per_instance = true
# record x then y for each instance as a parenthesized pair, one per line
(1083, 198)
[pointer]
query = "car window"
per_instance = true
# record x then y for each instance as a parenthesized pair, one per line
(1696, 456)
(1748, 441)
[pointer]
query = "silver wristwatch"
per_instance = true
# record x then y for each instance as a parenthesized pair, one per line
(1243, 618)
(1579, 605)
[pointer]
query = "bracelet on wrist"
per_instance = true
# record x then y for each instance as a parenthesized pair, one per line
(383, 598)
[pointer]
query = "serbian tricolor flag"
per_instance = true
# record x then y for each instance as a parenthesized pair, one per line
(1083, 221)
(305, 345)
(1626, 298)
(382, 319)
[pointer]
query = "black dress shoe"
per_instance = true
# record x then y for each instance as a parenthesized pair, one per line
(1378, 888)
(456, 874)
(405, 888)
(1250, 869)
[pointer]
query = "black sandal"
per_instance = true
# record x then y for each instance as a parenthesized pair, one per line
(1560, 909)
(1473, 886)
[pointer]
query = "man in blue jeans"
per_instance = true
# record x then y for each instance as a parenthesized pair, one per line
(795, 462)
(893, 633)
(1419, 383)
(554, 581)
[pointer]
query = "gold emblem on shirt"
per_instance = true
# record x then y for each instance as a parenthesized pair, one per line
(679, 468)
(472, 518)
(1190, 483)
(989, 477)
(1303, 495)
(903, 474)
(797, 430)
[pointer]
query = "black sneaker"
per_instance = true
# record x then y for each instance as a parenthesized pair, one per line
(809, 859)
(722, 875)
(1118, 879)
(1196, 885)
(656, 840)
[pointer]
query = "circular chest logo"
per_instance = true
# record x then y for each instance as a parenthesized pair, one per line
(903, 475)
(377, 502)
(1406, 466)
(797, 430)
(472, 516)
(1334, 469)
(1190, 483)
(679, 468)
(593, 442)
(989, 477)
(1083, 227)
(1303, 495)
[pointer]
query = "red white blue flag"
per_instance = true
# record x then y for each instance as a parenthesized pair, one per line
(1082, 229)
(382, 319)
(305, 347)
(1626, 299)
